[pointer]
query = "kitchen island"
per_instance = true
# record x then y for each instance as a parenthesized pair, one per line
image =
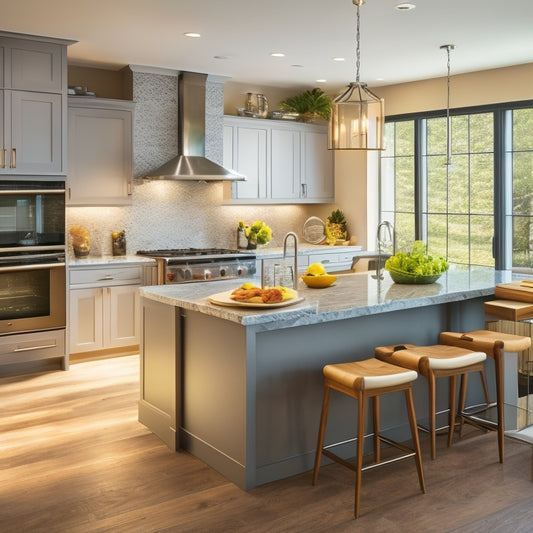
(241, 388)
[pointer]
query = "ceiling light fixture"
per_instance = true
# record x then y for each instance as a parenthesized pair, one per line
(448, 48)
(277, 54)
(192, 34)
(357, 114)
(404, 6)
(338, 59)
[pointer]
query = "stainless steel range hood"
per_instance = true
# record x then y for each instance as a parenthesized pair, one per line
(191, 164)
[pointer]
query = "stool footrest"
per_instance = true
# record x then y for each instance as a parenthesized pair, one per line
(408, 452)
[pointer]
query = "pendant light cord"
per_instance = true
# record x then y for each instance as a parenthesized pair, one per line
(357, 45)
(448, 48)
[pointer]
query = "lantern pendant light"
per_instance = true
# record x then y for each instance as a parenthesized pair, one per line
(448, 48)
(357, 115)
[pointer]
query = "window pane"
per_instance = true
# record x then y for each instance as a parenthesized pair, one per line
(482, 183)
(436, 136)
(458, 239)
(405, 184)
(481, 232)
(437, 231)
(458, 184)
(405, 138)
(482, 132)
(523, 182)
(404, 224)
(522, 239)
(523, 129)
(460, 135)
(437, 186)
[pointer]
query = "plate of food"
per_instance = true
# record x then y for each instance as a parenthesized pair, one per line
(249, 295)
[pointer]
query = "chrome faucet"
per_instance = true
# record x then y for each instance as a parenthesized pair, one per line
(295, 268)
(385, 236)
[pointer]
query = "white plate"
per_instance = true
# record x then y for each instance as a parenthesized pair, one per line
(223, 298)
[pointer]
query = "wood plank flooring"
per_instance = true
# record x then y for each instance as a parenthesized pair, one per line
(74, 458)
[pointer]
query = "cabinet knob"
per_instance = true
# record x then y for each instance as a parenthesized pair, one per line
(3, 158)
(13, 163)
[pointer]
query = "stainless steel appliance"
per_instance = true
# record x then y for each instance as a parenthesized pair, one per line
(32, 256)
(201, 264)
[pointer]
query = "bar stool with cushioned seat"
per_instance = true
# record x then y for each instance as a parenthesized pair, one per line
(362, 380)
(494, 344)
(434, 362)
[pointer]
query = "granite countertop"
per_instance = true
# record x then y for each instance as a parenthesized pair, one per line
(109, 260)
(352, 295)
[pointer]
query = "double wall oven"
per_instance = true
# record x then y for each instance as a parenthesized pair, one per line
(32, 261)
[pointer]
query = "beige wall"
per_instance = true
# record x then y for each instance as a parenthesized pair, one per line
(476, 88)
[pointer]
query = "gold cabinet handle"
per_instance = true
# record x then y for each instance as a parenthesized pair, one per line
(3, 158)
(13, 158)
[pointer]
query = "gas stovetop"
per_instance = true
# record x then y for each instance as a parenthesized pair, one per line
(187, 254)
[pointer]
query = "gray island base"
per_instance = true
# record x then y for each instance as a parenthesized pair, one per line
(241, 388)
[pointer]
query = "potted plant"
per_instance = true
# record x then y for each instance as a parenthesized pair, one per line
(309, 105)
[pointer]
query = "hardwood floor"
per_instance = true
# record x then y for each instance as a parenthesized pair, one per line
(74, 458)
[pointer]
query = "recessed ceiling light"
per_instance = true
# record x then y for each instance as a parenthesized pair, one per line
(405, 6)
(220, 57)
(338, 59)
(321, 81)
(297, 66)
(192, 34)
(277, 54)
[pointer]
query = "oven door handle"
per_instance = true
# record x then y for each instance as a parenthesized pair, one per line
(21, 268)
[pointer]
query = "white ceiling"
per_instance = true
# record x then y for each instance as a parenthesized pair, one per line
(396, 46)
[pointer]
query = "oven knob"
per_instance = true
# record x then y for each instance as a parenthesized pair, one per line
(241, 271)
(222, 272)
(207, 274)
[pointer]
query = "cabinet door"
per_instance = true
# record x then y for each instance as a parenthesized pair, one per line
(285, 164)
(33, 65)
(121, 316)
(36, 132)
(86, 320)
(317, 167)
(100, 167)
(251, 160)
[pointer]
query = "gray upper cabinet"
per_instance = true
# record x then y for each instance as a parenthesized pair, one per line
(100, 151)
(33, 87)
(284, 162)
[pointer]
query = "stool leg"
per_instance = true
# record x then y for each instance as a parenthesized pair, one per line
(451, 417)
(498, 371)
(432, 415)
(414, 434)
(462, 401)
(321, 432)
(360, 445)
(377, 445)
(485, 387)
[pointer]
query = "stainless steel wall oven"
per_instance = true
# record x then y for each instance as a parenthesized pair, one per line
(32, 256)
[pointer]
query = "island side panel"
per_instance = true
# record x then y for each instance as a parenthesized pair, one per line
(289, 384)
(214, 394)
(160, 380)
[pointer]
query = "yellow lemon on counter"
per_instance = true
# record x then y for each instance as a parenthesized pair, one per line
(316, 269)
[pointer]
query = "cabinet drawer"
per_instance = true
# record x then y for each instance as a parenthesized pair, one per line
(32, 346)
(104, 277)
(325, 259)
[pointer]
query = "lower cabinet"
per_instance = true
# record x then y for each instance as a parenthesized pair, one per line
(106, 316)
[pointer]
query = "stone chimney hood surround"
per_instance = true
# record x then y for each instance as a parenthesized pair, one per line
(191, 164)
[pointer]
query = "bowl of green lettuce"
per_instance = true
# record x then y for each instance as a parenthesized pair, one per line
(416, 266)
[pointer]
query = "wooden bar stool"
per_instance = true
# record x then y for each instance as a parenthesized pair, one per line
(494, 344)
(435, 362)
(362, 380)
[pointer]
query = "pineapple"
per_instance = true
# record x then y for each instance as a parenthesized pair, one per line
(336, 226)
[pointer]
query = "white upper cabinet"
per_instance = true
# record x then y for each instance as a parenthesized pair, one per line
(100, 151)
(33, 87)
(284, 162)
(32, 65)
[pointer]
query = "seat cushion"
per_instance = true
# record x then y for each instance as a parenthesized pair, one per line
(368, 374)
(437, 357)
(484, 340)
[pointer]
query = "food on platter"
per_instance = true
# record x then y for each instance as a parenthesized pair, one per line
(250, 293)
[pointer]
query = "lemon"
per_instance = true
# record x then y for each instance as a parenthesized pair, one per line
(248, 285)
(316, 269)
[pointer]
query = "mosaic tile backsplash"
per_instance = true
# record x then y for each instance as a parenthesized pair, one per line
(166, 214)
